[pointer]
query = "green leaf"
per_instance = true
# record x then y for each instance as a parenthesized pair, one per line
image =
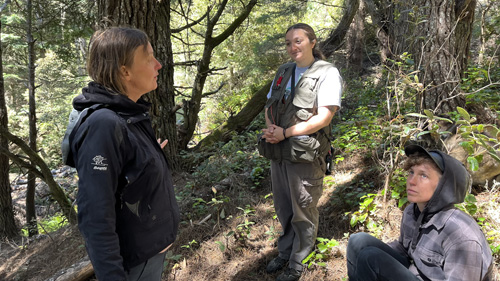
(461, 122)
(471, 209)
(354, 220)
(463, 113)
(416, 115)
(222, 247)
(443, 119)
(467, 146)
(479, 158)
(423, 133)
(494, 156)
(470, 198)
(429, 114)
(308, 258)
(367, 202)
(473, 164)
(363, 217)
(322, 248)
(402, 201)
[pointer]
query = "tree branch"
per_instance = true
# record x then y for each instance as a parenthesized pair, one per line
(236, 23)
(335, 38)
(214, 91)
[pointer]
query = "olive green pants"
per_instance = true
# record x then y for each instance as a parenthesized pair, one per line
(297, 188)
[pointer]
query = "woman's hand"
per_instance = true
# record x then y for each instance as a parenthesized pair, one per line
(162, 144)
(273, 134)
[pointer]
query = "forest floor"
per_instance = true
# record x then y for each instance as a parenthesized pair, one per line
(229, 234)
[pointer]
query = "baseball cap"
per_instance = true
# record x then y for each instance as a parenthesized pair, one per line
(436, 157)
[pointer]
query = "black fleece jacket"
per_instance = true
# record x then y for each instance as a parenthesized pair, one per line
(127, 211)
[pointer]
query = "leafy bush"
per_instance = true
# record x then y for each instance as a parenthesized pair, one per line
(323, 252)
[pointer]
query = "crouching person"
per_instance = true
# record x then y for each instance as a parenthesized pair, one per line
(437, 241)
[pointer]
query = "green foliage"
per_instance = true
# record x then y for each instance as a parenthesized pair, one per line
(243, 230)
(478, 84)
(478, 139)
(238, 156)
(469, 205)
(366, 214)
(323, 252)
(477, 210)
(48, 225)
(398, 184)
(171, 257)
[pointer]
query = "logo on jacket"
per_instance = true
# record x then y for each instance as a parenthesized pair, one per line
(99, 163)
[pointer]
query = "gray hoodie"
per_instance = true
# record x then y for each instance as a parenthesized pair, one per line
(443, 242)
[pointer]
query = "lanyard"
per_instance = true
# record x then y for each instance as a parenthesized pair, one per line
(292, 92)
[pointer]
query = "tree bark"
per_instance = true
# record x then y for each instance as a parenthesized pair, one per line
(392, 31)
(8, 227)
(334, 40)
(355, 41)
(31, 220)
(443, 44)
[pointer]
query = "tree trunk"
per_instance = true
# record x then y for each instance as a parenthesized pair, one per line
(392, 31)
(443, 44)
(336, 36)
(355, 41)
(31, 220)
(8, 227)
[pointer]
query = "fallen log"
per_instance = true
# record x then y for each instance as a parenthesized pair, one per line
(80, 271)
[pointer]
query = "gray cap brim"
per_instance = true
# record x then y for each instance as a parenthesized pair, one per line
(414, 148)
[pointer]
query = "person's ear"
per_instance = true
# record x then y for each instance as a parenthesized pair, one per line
(313, 43)
(124, 73)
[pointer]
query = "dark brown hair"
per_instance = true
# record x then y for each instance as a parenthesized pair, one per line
(419, 159)
(309, 31)
(110, 49)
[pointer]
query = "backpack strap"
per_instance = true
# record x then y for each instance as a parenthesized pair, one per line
(76, 118)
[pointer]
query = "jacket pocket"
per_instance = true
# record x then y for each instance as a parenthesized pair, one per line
(267, 149)
(430, 262)
(303, 149)
(305, 95)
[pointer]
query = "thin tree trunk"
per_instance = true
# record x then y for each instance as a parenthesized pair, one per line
(30, 194)
(355, 41)
(8, 227)
(334, 40)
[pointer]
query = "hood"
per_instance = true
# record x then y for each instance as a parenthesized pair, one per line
(452, 187)
(95, 93)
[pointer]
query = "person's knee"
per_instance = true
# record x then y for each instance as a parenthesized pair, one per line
(368, 258)
(357, 242)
